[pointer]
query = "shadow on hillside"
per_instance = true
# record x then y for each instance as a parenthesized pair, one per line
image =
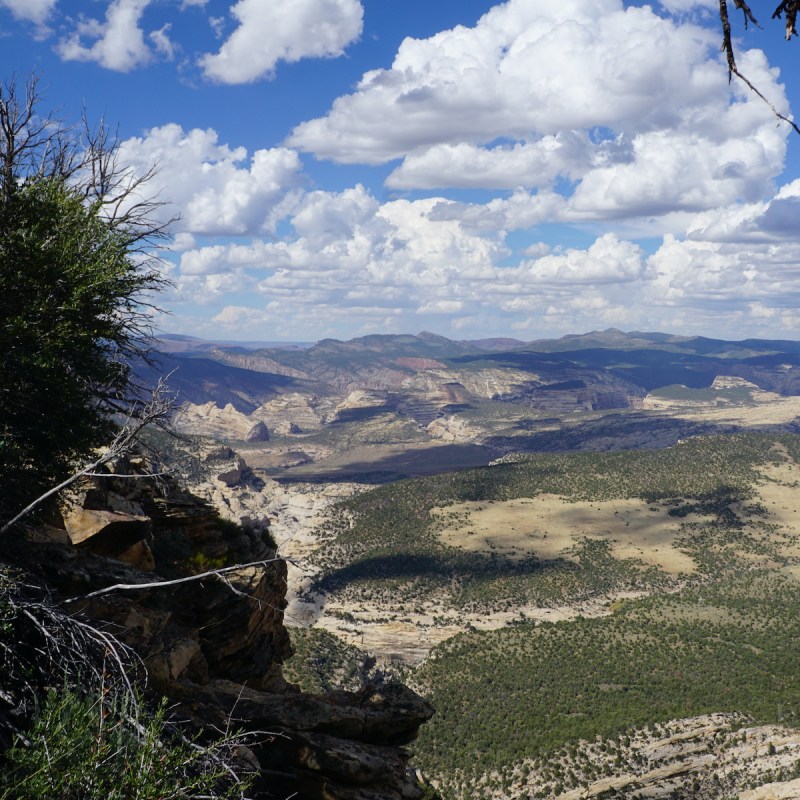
(625, 431)
(647, 368)
(411, 463)
(434, 568)
(200, 380)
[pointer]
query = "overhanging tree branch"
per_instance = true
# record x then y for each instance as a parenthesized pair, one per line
(212, 573)
(789, 8)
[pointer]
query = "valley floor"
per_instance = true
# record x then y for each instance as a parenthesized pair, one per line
(587, 624)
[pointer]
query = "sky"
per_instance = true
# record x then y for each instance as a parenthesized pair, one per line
(530, 168)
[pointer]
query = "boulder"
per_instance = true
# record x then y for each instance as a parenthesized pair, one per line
(107, 533)
(221, 453)
(233, 475)
(139, 556)
(258, 433)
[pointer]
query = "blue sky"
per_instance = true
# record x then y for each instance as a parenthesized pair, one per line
(529, 168)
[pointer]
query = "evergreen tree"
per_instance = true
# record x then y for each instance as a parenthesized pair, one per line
(75, 287)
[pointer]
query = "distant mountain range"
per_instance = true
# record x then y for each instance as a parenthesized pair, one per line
(607, 368)
(180, 343)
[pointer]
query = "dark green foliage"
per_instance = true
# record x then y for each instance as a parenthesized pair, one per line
(70, 321)
(322, 662)
(84, 748)
(738, 394)
(527, 691)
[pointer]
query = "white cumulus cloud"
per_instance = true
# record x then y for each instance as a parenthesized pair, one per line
(465, 165)
(215, 188)
(608, 260)
(117, 43)
(632, 110)
(526, 68)
(352, 264)
(36, 11)
(269, 32)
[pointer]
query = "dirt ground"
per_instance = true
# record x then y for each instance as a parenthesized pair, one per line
(549, 527)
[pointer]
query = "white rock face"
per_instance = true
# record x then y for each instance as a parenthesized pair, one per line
(220, 423)
(452, 429)
(291, 413)
(232, 475)
(482, 382)
(362, 398)
(732, 382)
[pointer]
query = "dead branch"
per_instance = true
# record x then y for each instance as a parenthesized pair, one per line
(84, 156)
(775, 111)
(152, 412)
(787, 7)
(62, 644)
(212, 573)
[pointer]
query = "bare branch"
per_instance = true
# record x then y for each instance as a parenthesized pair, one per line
(158, 407)
(67, 644)
(789, 7)
(213, 573)
(757, 92)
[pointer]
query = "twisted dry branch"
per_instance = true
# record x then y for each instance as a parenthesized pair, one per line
(787, 7)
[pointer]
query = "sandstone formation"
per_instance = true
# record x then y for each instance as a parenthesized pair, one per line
(708, 756)
(219, 423)
(580, 390)
(258, 433)
(215, 647)
(486, 383)
(293, 412)
(362, 398)
(452, 429)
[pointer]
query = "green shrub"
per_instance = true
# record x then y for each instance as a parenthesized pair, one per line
(87, 748)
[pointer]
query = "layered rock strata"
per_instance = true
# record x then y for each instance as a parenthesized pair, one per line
(215, 646)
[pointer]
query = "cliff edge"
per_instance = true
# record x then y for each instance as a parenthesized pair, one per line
(214, 646)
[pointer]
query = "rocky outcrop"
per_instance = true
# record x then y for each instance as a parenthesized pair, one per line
(258, 433)
(452, 429)
(486, 383)
(215, 646)
(225, 423)
(576, 390)
(346, 745)
(362, 404)
(708, 757)
(233, 475)
(291, 413)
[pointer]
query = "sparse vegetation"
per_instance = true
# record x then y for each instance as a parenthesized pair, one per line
(83, 747)
(531, 710)
(385, 542)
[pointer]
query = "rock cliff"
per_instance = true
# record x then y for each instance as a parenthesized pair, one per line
(215, 646)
